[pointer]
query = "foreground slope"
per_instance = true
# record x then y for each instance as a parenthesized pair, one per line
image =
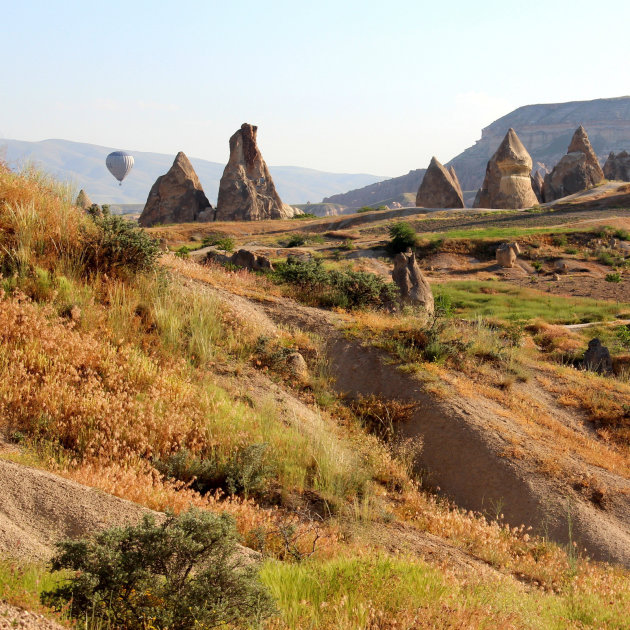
(175, 384)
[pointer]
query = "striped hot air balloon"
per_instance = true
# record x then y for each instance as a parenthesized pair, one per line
(119, 163)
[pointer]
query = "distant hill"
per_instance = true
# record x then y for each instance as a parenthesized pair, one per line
(84, 165)
(545, 130)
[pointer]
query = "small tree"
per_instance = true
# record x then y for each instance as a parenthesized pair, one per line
(183, 573)
(402, 237)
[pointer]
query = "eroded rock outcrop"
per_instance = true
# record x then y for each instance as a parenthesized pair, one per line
(507, 253)
(177, 197)
(578, 170)
(83, 201)
(597, 357)
(246, 190)
(538, 181)
(413, 286)
(617, 166)
(508, 182)
(439, 188)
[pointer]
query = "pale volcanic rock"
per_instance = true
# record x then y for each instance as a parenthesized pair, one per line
(246, 191)
(578, 170)
(538, 182)
(617, 166)
(506, 254)
(177, 197)
(508, 182)
(413, 286)
(438, 188)
(83, 200)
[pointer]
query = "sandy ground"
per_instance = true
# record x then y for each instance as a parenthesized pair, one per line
(14, 618)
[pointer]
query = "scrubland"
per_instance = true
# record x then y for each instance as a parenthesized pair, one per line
(132, 378)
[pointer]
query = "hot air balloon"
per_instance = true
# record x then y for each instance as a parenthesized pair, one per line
(119, 163)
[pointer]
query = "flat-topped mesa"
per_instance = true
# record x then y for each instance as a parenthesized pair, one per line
(439, 188)
(508, 182)
(578, 170)
(246, 191)
(177, 197)
(617, 167)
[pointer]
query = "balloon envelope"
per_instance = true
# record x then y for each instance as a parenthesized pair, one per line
(119, 163)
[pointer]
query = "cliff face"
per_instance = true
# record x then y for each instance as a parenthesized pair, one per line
(546, 132)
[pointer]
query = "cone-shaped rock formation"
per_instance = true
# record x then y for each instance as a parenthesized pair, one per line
(177, 197)
(578, 170)
(508, 182)
(83, 201)
(617, 167)
(246, 191)
(439, 189)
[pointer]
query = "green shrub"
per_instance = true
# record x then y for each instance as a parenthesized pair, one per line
(365, 209)
(537, 265)
(622, 235)
(606, 259)
(183, 252)
(623, 335)
(183, 573)
(402, 237)
(245, 472)
(613, 277)
(296, 240)
(571, 250)
(120, 246)
(560, 240)
(346, 289)
(306, 215)
(226, 243)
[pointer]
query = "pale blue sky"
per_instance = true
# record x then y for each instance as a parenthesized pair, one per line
(375, 87)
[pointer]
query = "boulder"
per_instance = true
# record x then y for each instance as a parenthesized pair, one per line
(508, 183)
(246, 190)
(250, 260)
(507, 253)
(83, 201)
(176, 197)
(438, 188)
(597, 357)
(578, 170)
(413, 286)
(297, 367)
(561, 266)
(617, 167)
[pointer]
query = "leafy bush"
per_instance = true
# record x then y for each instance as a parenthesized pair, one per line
(244, 472)
(183, 252)
(613, 277)
(622, 235)
(120, 246)
(571, 250)
(226, 243)
(606, 259)
(181, 574)
(365, 209)
(296, 240)
(560, 240)
(537, 265)
(346, 289)
(402, 236)
(306, 215)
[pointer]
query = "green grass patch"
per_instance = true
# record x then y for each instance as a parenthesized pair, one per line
(504, 301)
(379, 591)
(495, 233)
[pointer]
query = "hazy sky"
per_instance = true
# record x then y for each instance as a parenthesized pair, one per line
(376, 87)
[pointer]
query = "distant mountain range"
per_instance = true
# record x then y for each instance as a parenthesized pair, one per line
(84, 165)
(545, 130)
